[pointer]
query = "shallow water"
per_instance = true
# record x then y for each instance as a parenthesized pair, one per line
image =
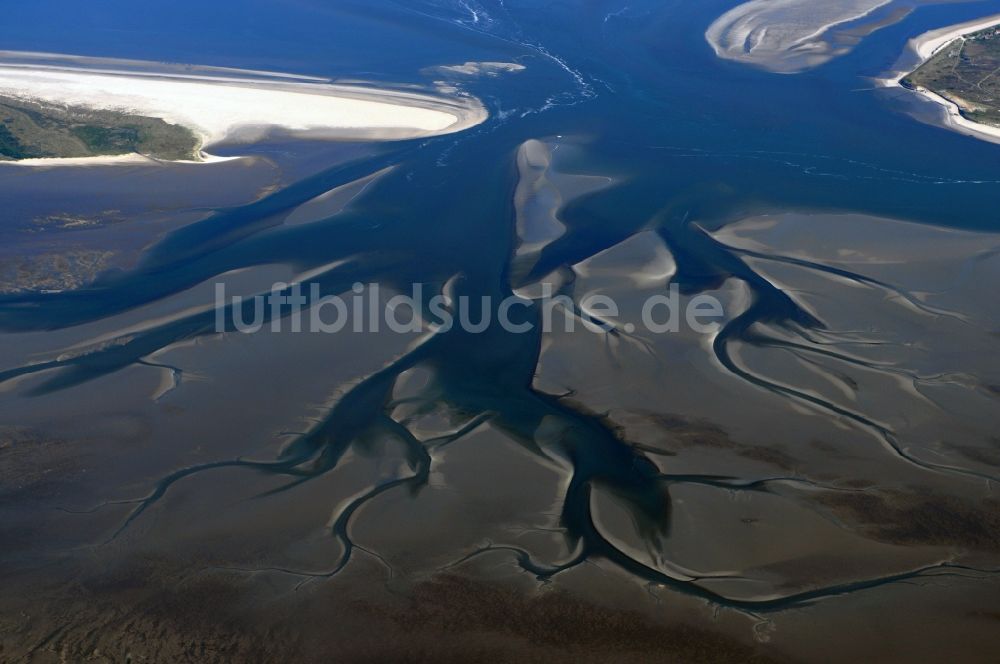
(827, 456)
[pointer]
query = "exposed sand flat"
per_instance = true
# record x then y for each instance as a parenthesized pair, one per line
(924, 47)
(110, 65)
(238, 107)
(492, 69)
(785, 36)
(110, 160)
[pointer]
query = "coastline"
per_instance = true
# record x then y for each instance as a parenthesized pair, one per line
(237, 108)
(923, 48)
(130, 159)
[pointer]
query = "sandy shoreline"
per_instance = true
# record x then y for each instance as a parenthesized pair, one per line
(924, 47)
(132, 159)
(221, 106)
(929, 43)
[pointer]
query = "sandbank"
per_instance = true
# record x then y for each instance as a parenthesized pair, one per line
(235, 106)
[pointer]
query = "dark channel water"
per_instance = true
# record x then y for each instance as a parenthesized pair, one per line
(688, 142)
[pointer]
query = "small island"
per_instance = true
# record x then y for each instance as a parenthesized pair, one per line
(56, 107)
(32, 129)
(966, 73)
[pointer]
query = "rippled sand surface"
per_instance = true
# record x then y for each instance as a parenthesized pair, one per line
(813, 479)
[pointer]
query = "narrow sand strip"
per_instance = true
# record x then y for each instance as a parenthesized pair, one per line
(929, 43)
(244, 107)
(926, 46)
(131, 159)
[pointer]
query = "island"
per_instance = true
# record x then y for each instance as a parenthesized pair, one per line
(963, 74)
(59, 107)
(792, 36)
(33, 130)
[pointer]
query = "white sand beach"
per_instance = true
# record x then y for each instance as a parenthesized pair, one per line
(241, 108)
(929, 43)
(133, 159)
(954, 119)
(924, 47)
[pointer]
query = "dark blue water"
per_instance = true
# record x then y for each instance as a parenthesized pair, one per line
(646, 78)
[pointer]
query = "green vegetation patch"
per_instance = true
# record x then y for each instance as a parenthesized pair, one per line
(11, 147)
(966, 73)
(31, 129)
